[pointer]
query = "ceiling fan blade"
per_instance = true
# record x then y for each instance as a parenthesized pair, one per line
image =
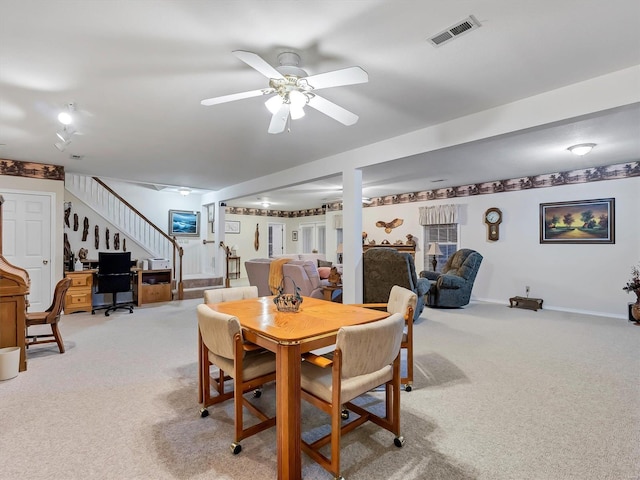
(236, 96)
(332, 110)
(279, 119)
(337, 78)
(258, 63)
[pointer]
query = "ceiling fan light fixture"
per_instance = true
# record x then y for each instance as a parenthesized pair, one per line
(581, 149)
(273, 104)
(61, 146)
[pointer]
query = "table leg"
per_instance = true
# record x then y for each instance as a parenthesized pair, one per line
(288, 411)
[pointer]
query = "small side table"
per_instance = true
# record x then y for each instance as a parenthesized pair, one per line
(328, 291)
(525, 302)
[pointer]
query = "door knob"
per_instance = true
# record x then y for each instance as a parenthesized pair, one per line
(45, 262)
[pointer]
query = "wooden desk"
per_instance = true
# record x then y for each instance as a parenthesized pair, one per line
(290, 335)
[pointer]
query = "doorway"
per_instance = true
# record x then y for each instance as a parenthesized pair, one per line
(276, 239)
(27, 240)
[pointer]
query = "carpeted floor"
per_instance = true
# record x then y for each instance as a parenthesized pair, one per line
(499, 394)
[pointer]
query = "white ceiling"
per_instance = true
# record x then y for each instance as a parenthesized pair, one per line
(138, 70)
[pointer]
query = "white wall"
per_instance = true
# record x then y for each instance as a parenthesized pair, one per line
(583, 278)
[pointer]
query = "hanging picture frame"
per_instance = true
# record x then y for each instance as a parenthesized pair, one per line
(579, 221)
(184, 223)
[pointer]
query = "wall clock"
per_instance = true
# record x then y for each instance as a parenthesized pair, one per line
(493, 218)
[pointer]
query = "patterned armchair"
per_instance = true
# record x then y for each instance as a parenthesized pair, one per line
(452, 287)
(385, 267)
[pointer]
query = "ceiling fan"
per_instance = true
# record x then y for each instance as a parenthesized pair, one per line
(294, 89)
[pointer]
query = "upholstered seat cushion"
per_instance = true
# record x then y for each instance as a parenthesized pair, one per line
(317, 380)
(255, 363)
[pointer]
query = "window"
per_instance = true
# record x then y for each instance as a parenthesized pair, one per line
(446, 235)
(313, 237)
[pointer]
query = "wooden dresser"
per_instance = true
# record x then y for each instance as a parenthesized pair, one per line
(14, 287)
(78, 297)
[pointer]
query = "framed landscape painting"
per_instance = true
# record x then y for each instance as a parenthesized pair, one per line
(580, 221)
(184, 223)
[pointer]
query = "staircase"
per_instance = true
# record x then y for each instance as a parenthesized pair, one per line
(195, 287)
(108, 204)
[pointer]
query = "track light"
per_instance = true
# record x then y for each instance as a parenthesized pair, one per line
(65, 134)
(581, 149)
(65, 117)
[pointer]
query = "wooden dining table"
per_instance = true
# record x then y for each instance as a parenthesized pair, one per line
(289, 335)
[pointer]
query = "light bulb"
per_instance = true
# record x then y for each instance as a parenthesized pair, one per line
(274, 103)
(296, 112)
(65, 118)
(297, 99)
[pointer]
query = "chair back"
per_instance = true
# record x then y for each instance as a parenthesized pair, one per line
(218, 331)
(382, 269)
(463, 263)
(59, 296)
(400, 299)
(114, 272)
(370, 347)
(219, 295)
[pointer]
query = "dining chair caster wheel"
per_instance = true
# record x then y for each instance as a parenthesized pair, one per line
(399, 441)
(236, 448)
(257, 393)
(408, 388)
(344, 414)
(204, 412)
(338, 478)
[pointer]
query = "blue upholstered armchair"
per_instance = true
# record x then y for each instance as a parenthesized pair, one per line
(452, 287)
(384, 267)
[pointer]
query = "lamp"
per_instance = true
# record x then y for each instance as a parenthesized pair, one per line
(339, 252)
(581, 149)
(434, 249)
(184, 191)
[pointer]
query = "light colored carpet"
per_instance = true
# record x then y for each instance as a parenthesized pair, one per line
(499, 394)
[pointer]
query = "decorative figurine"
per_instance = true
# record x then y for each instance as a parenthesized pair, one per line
(106, 238)
(67, 212)
(116, 241)
(388, 226)
(75, 222)
(97, 237)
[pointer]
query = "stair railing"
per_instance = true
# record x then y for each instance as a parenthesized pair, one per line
(177, 250)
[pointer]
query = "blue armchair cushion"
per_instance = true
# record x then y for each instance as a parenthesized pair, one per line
(452, 287)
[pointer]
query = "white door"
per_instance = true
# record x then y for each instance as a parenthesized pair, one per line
(26, 242)
(276, 239)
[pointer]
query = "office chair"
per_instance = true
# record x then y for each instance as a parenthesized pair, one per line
(114, 276)
(221, 344)
(50, 316)
(366, 356)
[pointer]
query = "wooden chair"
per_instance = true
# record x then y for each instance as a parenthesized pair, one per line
(402, 300)
(366, 356)
(219, 295)
(50, 316)
(220, 343)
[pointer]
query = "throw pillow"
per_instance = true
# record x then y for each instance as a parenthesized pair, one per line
(324, 272)
(324, 263)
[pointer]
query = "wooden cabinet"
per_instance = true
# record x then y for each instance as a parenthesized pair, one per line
(154, 286)
(78, 297)
(411, 249)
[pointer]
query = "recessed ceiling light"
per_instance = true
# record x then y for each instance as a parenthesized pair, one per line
(581, 149)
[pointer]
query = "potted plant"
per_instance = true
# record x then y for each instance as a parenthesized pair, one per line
(634, 286)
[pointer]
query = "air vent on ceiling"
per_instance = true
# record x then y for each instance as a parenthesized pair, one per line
(461, 27)
(76, 157)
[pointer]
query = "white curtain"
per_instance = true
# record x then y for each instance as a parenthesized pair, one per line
(438, 214)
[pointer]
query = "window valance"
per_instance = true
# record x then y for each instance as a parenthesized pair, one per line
(439, 214)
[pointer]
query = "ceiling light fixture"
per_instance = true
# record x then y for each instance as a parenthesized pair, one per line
(61, 145)
(65, 134)
(184, 191)
(581, 149)
(265, 204)
(65, 117)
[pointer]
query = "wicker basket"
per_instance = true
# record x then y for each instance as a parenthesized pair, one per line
(288, 302)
